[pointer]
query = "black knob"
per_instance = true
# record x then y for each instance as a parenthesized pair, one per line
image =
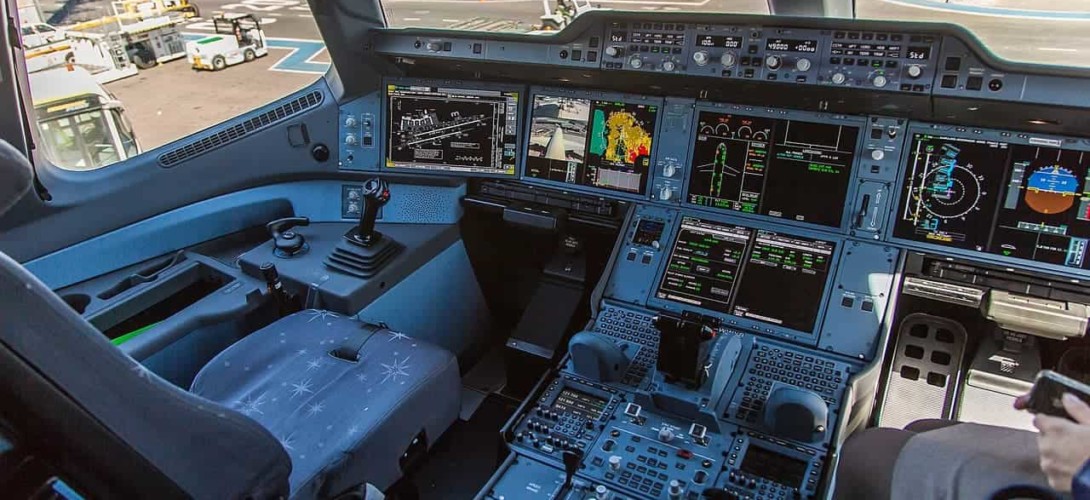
(320, 152)
(376, 192)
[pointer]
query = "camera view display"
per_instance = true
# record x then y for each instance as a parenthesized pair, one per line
(604, 144)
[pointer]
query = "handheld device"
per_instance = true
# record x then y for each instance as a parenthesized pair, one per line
(1048, 390)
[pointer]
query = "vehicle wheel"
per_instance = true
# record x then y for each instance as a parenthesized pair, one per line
(249, 55)
(219, 63)
(193, 10)
(70, 58)
(142, 63)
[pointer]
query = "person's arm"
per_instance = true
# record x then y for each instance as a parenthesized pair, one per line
(1064, 447)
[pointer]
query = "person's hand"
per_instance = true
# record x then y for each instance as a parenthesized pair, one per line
(1064, 445)
(1021, 402)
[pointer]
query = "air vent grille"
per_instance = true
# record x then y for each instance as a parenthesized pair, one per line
(239, 130)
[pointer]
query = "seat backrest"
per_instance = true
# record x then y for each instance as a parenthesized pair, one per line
(109, 425)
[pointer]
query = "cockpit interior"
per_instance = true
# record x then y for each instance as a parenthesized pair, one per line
(651, 255)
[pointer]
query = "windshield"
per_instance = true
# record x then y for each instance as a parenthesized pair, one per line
(1019, 30)
(82, 141)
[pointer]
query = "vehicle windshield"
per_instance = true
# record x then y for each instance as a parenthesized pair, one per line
(1019, 30)
(83, 141)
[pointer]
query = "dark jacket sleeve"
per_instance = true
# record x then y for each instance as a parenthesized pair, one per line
(1080, 484)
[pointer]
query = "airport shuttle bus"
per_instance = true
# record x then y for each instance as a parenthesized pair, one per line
(669, 250)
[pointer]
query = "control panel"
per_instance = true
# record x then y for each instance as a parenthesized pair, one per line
(880, 60)
(568, 416)
(646, 46)
(759, 466)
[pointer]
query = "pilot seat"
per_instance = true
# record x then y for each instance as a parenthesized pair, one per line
(347, 400)
(311, 406)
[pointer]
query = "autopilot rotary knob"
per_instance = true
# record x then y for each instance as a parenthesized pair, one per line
(669, 169)
(914, 71)
(700, 58)
(601, 492)
(803, 64)
(614, 51)
(773, 62)
(879, 81)
(666, 435)
(635, 62)
(666, 193)
(839, 78)
(728, 59)
(350, 122)
(351, 140)
(669, 65)
(675, 488)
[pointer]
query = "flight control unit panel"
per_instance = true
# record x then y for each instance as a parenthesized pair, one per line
(753, 281)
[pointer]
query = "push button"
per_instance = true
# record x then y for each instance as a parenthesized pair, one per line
(847, 301)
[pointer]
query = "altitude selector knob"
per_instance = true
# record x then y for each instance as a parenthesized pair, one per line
(803, 64)
(666, 193)
(728, 59)
(700, 58)
(880, 81)
(839, 78)
(669, 65)
(669, 170)
(773, 62)
(635, 62)
(613, 51)
(914, 71)
(666, 435)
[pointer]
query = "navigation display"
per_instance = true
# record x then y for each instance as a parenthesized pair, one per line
(781, 168)
(588, 142)
(451, 129)
(1013, 200)
(755, 274)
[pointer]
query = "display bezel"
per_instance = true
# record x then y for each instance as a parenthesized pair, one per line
(528, 110)
(781, 114)
(1008, 136)
(810, 337)
(383, 114)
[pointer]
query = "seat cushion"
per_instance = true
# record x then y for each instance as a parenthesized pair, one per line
(341, 422)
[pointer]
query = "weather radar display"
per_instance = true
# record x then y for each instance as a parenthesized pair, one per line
(451, 129)
(597, 143)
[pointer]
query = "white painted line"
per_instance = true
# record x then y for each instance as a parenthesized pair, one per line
(452, 20)
(422, 12)
(410, 19)
(304, 15)
(656, 3)
(1056, 49)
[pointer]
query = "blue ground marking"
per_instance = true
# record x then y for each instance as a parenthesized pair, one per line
(997, 11)
(296, 60)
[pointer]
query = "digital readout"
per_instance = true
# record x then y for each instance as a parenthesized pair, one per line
(722, 42)
(791, 45)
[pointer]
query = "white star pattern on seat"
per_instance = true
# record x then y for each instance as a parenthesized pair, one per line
(252, 405)
(315, 409)
(352, 431)
(287, 442)
(361, 377)
(320, 315)
(303, 387)
(397, 336)
(314, 364)
(396, 369)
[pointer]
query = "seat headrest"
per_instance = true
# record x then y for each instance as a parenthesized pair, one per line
(15, 176)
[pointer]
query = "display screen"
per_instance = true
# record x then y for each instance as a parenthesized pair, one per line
(774, 466)
(784, 280)
(717, 41)
(451, 129)
(580, 403)
(754, 274)
(587, 142)
(922, 53)
(1013, 200)
(782, 168)
(791, 45)
(648, 232)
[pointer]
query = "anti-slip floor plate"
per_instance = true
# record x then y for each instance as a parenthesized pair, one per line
(924, 377)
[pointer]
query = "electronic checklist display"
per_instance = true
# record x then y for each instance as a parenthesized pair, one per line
(452, 127)
(766, 276)
(593, 141)
(1025, 199)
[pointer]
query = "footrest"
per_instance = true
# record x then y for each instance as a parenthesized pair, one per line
(924, 375)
